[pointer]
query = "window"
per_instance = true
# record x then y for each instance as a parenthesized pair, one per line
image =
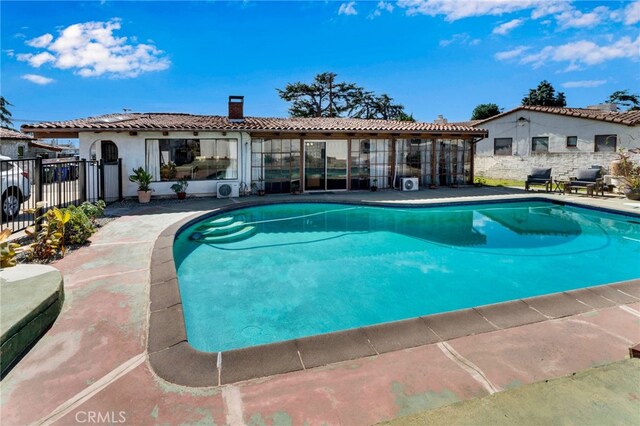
(605, 143)
(194, 159)
(540, 145)
(572, 141)
(275, 164)
(502, 146)
(109, 151)
(21, 151)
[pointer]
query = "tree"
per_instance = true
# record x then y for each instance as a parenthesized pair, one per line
(322, 98)
(544, 95)
(624, 99)
(483, 111)
(5, 114)
(326, 98)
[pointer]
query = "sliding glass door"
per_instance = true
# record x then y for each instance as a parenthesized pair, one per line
(325, 164)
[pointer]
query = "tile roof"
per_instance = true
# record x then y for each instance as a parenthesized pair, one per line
(629, 118)
(46, 146)
(12, 134)
(170, 121)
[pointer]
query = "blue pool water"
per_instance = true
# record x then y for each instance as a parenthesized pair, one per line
(278, 272)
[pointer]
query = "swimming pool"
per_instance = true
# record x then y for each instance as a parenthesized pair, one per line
(277, 272)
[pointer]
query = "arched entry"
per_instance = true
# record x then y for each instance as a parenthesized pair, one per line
(108, 151)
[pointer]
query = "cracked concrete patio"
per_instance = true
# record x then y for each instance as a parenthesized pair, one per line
(93, 359)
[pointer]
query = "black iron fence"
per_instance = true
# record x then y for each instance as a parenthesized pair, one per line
(57, 183)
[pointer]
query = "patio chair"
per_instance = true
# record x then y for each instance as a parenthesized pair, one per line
(591, 179)
(539, 176)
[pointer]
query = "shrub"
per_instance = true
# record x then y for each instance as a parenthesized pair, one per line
(79, 227)
(49, 242)
(93, 211)
(7, 250)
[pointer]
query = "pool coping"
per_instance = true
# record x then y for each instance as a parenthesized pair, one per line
(175, 360)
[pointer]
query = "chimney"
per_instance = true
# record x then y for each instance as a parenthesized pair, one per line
(440, 120)
(604, 107)
(236, 104)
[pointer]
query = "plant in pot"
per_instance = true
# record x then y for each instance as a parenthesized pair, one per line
(180, 188)
(631, 185)
(295, 188)
(143, 178)
(374, 186)
(168, 171)
(261, 190)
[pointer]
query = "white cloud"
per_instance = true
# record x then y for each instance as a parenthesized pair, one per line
(632, 13)
(462, 38)
(459, 9)
(348, 8)
(36, 61)
(573, 18)
(9, 52)
(585, 52)
(381, 7)
(510, 54)
(583, 83)
(90, 49)
(505, 28)
(38, 79)
(385, 6)
(42, 41)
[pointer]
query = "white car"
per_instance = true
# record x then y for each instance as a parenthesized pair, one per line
(15, 187)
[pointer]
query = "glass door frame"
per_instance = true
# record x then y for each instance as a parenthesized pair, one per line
(324, 185)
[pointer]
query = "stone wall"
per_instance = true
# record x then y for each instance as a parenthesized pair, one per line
(563, 165)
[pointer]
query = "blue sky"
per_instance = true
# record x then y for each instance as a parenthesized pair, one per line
(64, 60)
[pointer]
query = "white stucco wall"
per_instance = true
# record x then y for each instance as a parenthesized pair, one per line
(564, 161)
(132, 151)
(9, 148)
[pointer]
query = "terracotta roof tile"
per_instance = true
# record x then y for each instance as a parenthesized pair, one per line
(12, 134)
(629, 118)
(170, 121)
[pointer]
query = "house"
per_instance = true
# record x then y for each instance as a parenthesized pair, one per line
(565, 139)
(274, 154)
(21, 145)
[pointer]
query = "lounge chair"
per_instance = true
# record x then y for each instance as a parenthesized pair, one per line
(591, 179)
(539, 176)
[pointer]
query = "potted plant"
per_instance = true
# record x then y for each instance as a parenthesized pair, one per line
(261, 190)
(295, 188)
(168, 171)
(180, 188)
(143, 178)
(631, 185)
(374, 186)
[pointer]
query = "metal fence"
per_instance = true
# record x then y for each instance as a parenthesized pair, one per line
(59, 183)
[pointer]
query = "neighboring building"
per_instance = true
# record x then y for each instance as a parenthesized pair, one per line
(278, 154)
(21, 145)
(566, 139)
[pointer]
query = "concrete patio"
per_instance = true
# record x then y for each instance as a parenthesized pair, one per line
(92, 364)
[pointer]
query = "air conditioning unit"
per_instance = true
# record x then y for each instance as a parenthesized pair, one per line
(409, 184)
(228, 189)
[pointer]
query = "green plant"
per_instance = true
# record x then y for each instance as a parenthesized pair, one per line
(49, 241)
(180, 186)
(93, 210)
(79, 227)
(168, 171)
(7, 250)
(479, 181)
(143, 178)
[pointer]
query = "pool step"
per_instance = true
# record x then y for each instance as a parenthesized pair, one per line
(217, 222)
(223, 230)
(244, 233)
